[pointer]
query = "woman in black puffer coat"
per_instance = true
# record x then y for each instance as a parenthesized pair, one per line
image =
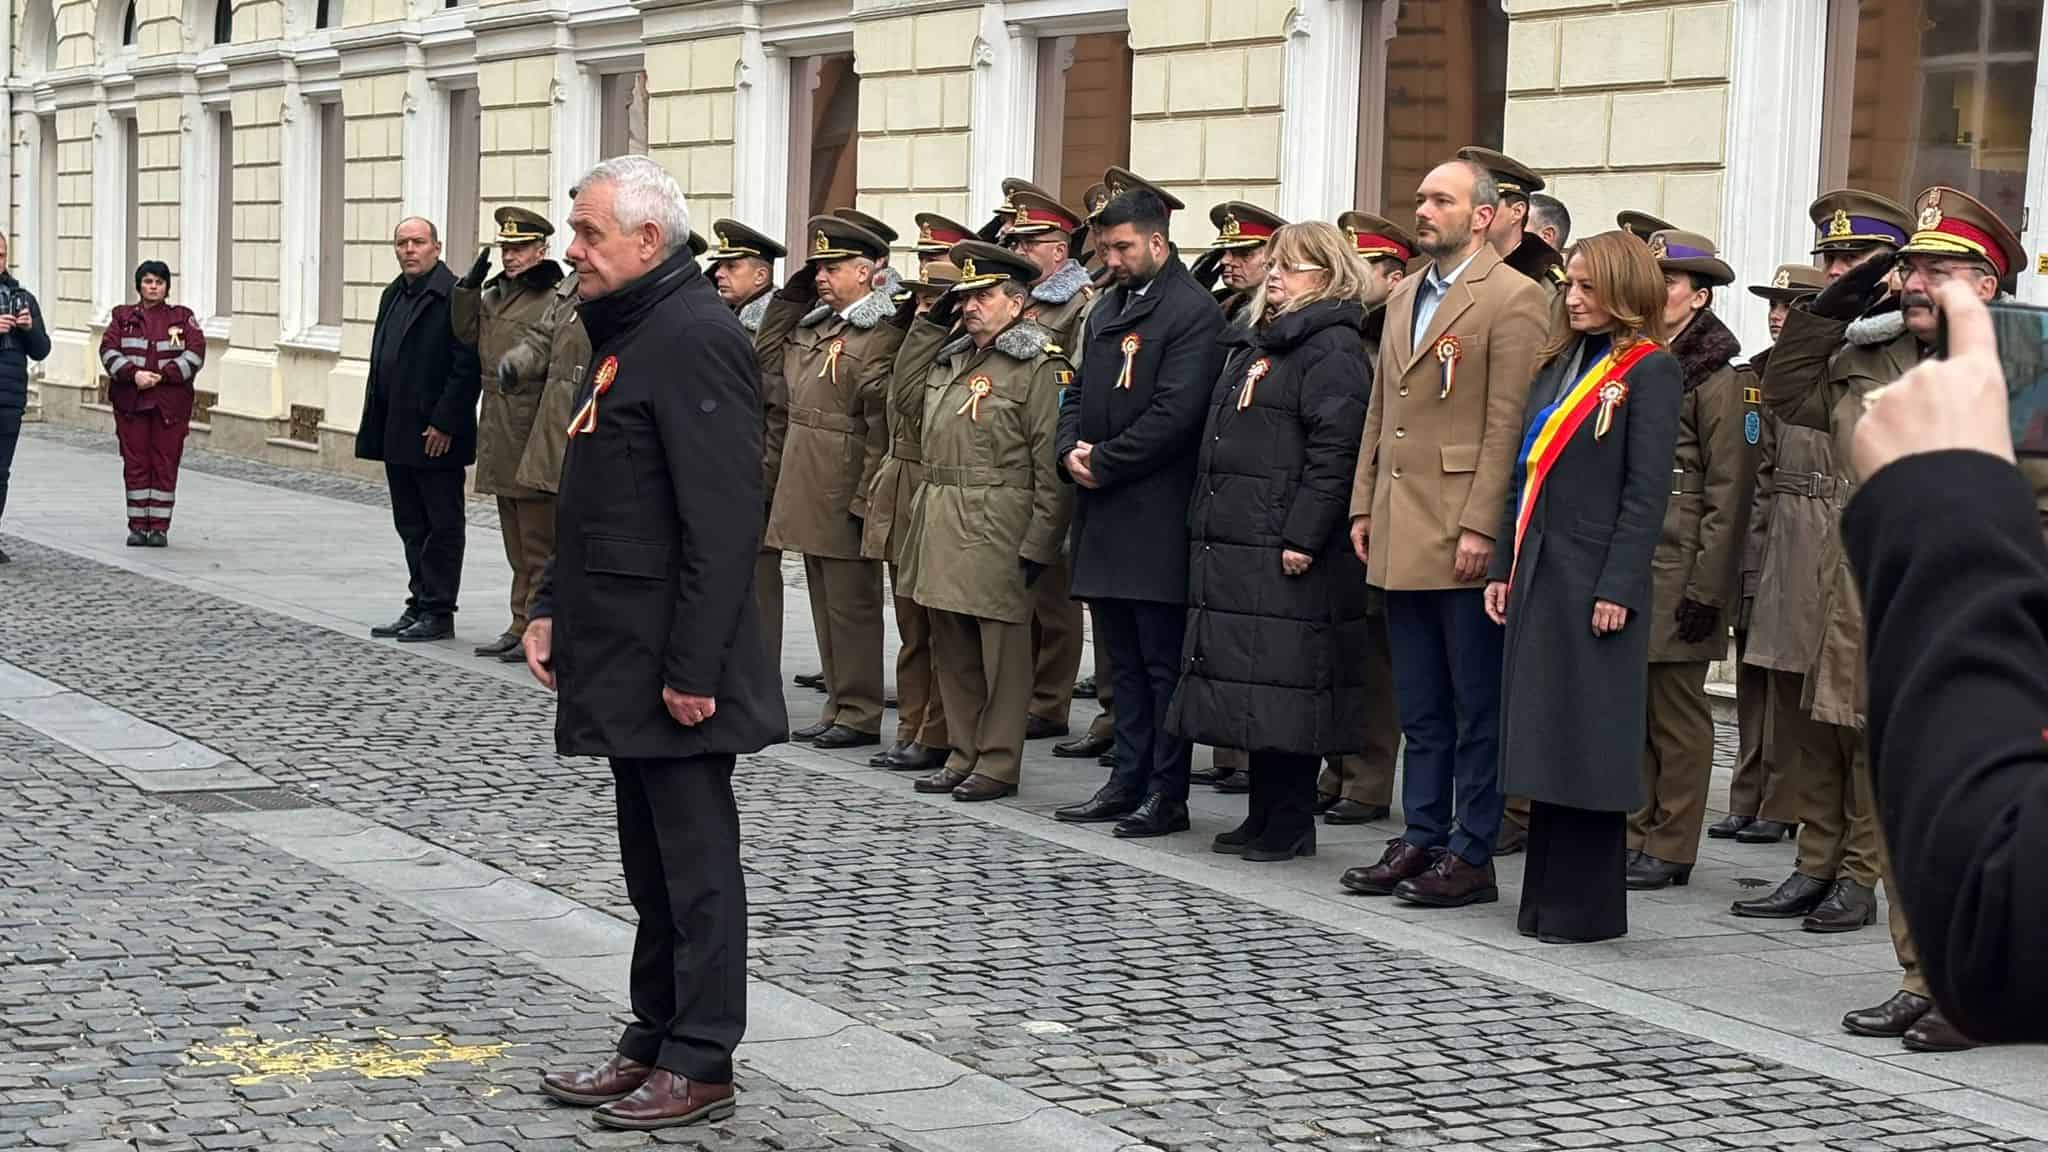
(1276, 598)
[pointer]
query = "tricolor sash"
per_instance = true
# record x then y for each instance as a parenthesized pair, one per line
(1555, 426)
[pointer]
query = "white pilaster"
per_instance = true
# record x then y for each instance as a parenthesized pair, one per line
(1774, 143)
(1319, 121)
(1002, 98)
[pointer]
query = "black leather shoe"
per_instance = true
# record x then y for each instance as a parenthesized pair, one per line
(1890, 1018)
(1157, 816)
(1797, 896)
(514, 655)
(159, 539)
(1348, 811)
(1848, 906)
(429, 627)
(1269, 848)
(1646, 873)
(888, 757)
(1101, 808)
(405, 620)
(1935, 1033)
(503, 644)
(840, 736)
(1081, 747)
(922, 758)
(814, 680)
(1084, 688)
(1765, 832)
(1325, 801)
(1236, 783)
(1040, 728)
(940, 782)
(978, 789)
(138, 539)
(1107, 759)
(810, 732)
(1729, 826)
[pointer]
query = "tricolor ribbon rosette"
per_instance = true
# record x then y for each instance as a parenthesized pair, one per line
(1448, 350)
(976, 388)
(1252, 376)
(1611, 395)
(585, 419)
(831, 367)
(1130, 349)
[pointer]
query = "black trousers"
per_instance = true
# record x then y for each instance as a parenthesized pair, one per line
(10, 435)
(426, 507)
(1144, 640)
(1573, 884)
(679, 839)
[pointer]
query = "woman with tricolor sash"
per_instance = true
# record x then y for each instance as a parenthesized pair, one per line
(1584, 510)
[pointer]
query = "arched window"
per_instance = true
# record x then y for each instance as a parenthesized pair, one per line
(321, 12)
(128, 25)
(223, 21)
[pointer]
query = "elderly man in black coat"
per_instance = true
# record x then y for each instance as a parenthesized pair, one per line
(419, 418)
(646, 625)
(1130, 442)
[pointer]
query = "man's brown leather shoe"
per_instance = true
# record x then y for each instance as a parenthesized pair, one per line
(1513, 838)
(1934, 1033)
(615, 1079)
(667, 1100)
(940, 782)
(1399, 862)
(977, 788)
(1451, 883)
(1891, 1018)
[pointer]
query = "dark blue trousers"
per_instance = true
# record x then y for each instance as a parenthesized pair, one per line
(1144, 639)
(1447, 668)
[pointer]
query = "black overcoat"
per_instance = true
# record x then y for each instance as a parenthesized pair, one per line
(1130, 535)
(1572, 703)
(657, 527)
(437, 386)
(1272, 661)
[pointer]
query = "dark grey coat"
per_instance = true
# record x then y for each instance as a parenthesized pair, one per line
(1271, 660)
(1130, 536)
(1572, 703)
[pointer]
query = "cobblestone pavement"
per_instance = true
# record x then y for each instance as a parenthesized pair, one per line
(1169, 1010)
(167, 985)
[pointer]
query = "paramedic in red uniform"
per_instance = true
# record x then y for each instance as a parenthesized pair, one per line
(152, 351)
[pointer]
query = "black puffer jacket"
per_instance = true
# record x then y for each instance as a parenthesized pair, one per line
(19, 347)
(1272, 661)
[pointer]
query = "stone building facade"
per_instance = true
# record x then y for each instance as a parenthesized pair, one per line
(266, 148)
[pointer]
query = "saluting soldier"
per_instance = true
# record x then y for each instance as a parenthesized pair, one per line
(495, 316)
(836, 362)
(1762, 805)
(1519, 248)
(936, 236)
(988, 521)
(1359, 788)
(922, 743)
(1837, 833)
(1694, 574)
(1955, 239)
(743, 268)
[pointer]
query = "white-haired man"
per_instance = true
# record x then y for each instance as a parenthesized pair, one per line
(646, 626)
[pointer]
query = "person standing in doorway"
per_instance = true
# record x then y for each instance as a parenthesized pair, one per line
(494, 316)
(419, 420)
(152, 351)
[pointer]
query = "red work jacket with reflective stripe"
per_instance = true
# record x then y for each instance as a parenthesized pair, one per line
(166, 339)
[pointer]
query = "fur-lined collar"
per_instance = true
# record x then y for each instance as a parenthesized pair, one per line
(539, 278)
(866, 312)
(888, 281)
(1883, 328)
(1024, 340)
(1704, 348)
(751, 312)
(1063, 285)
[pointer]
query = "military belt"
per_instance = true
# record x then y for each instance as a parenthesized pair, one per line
(977, 477)
(1808, 484)
(1683, 482)
(829, 421)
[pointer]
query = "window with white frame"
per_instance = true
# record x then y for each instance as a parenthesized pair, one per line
(224, 212)
(1084, 111)
(44, 266)
(622, 114)
(331, 251)
(824, 122)
(131, 196)
(465, 161)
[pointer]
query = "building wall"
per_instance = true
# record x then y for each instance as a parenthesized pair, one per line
(914, 82)
(1623, 104)
(1206, 84)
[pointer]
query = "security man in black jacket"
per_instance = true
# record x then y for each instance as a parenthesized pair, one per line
(22, 339)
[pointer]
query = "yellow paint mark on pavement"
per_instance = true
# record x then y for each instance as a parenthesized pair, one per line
(262, 1060)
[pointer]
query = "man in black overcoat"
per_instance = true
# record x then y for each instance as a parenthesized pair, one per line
(647, 627)
(1130, 445)
(419, 418)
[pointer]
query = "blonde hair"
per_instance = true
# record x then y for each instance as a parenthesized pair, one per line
(1626, 282)
(1314, 242)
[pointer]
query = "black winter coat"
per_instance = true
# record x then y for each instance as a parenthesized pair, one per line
(437, 387)
(1272, 661)
(1129, 539)
(657, 526)
(19, 347)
